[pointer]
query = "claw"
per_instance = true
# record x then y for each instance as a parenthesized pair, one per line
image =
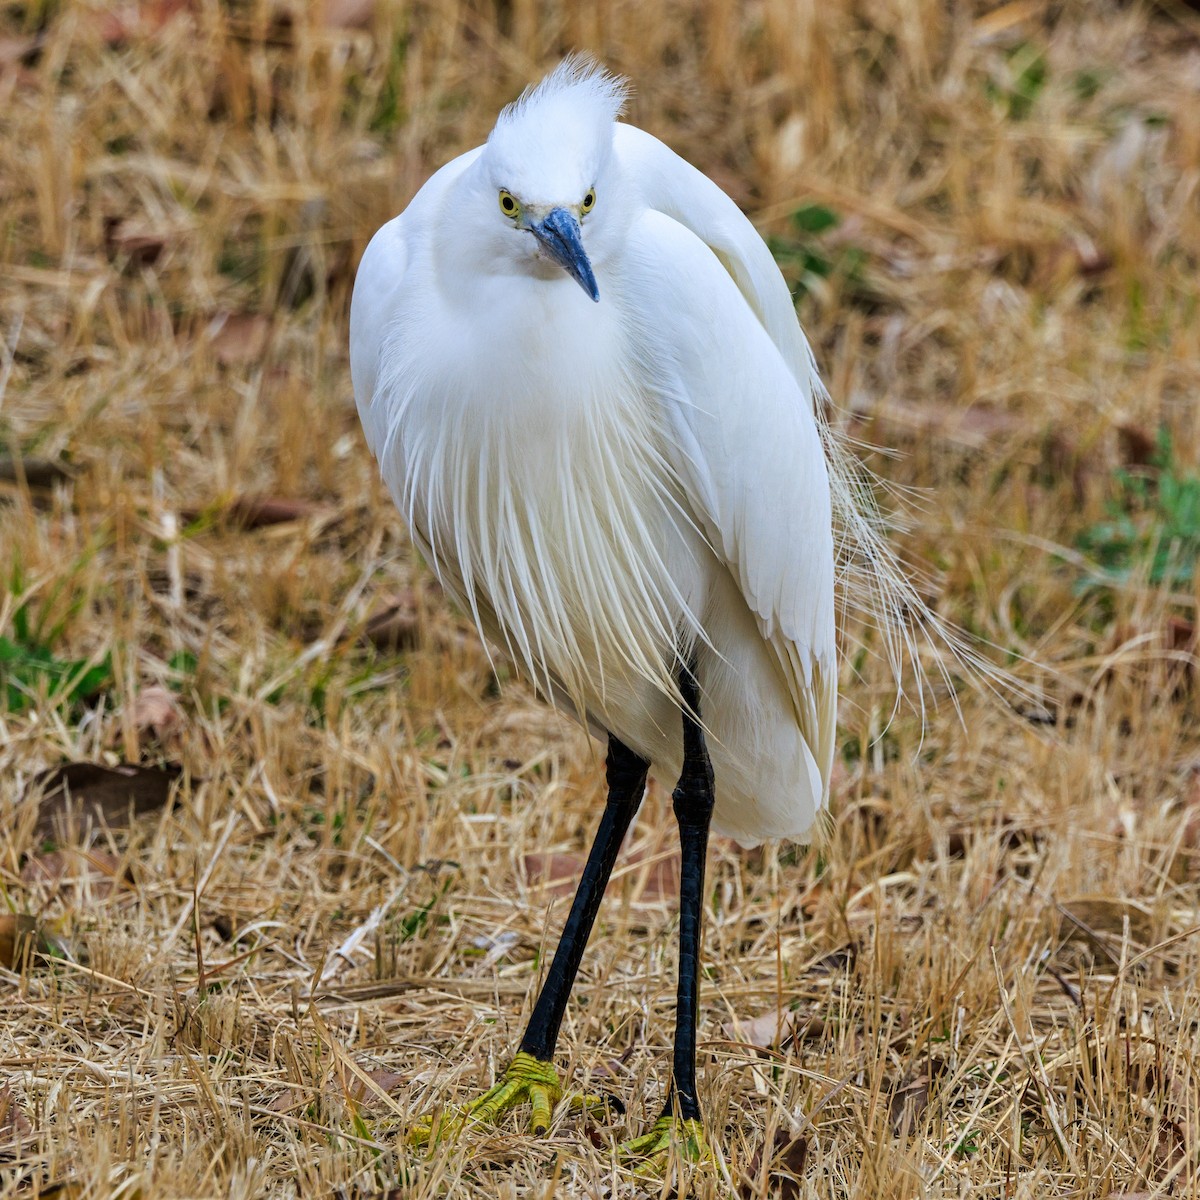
(685, 1136)
(527, 1080)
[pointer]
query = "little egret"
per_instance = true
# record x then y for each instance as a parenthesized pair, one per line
(582, 375)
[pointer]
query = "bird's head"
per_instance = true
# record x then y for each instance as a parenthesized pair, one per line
(545, 169)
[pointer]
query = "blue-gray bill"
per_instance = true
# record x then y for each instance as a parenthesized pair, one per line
(559, 233)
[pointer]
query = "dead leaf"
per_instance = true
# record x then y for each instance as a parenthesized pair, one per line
(1170, 1147)
(395, 624)
(156, 712)
(558, 873)
(34, 473)
(1137, 446)
(119, 24)
(1001, 19)
(15, 1127)
(907, 1103)
(833, 963)
(776, 1029)
(363, 1096)
(288, 1100)
(132, 241)
(785, 1169)
(383, 1078)
(20, 938)
(348, 14)
(98, 871)
(1181, 635)
(1102, 919)
(975, 427)
(20, 51)
(238, 338)
(659, 878)
(764, 1031)
(77, 794)
(256, 512)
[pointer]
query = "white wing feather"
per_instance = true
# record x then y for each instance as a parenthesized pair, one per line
(874, 581)
(378, 285)
(741, 407)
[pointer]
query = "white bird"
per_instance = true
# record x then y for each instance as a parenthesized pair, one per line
(582, 375)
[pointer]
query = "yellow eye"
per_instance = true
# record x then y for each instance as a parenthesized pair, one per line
(510, 206)
(589, 201)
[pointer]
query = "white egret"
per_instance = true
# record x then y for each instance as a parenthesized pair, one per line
(582, 375)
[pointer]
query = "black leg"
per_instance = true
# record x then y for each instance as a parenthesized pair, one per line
(693, 797)
(626, 783)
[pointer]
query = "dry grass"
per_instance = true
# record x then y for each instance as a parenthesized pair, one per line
(984, 984)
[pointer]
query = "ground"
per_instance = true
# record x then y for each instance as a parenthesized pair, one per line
(354, 832)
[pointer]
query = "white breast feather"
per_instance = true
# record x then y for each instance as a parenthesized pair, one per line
(550, 511)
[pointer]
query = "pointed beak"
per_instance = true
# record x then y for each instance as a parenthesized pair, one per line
(558, 231)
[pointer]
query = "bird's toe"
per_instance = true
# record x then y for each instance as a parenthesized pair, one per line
(527, 1080)
(668, 1135)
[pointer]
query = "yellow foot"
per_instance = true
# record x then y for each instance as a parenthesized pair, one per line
(528, 1080)
(685, 1136)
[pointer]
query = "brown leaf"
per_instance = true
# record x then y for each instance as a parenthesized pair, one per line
(14, 1124)
(256, 512)
(238, 338)
(974, 427)
(395, 623)
(834, 963)
(20, 939)
(1098, 915)
(292, 1098)
(1004, 18)
(348, 14)
(287, 1100)
(766, 1030)
(785, 1169)
(118, 24)
(1170, 1147)
(774, 1029)
(558, 873)
(156, 712)
(77, 794)
(1181, 635)
(19, 51)
(38, 473)
(97, 870)
(1137, 445)
(132, 242)
(907, 1103)
(660, 879)
(384, 1078)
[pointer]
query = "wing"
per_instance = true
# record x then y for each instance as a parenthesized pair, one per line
(672, 186)
(383, 280)
(378, 287)
(739, 407)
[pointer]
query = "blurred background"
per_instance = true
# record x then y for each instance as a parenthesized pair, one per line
(240, 728)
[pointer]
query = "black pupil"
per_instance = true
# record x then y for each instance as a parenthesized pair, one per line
(589, 200)
(508, 204)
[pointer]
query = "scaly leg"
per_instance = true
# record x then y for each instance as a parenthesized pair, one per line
(531, 1077)
(693, 802)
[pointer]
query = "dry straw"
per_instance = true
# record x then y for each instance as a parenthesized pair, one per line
(983, 984)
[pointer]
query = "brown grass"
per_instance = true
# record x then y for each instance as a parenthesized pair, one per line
(984, 984)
